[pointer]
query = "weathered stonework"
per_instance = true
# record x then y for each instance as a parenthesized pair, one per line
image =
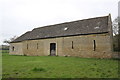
(82, 46)
(18, 50)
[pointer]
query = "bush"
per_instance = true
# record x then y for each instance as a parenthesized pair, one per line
(38, 69)
(5, 51)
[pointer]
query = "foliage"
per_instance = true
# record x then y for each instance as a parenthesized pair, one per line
(4, 51)
(116, 32)
(4, 47)
(38, 69)
(116, 43)
(116, 23)
(58, 67)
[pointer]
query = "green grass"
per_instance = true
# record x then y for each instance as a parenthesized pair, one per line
(58, 67)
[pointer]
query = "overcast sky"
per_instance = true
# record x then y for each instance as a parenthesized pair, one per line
(19, 16)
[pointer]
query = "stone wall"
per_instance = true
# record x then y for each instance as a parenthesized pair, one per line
(16, 49)
(82, 46)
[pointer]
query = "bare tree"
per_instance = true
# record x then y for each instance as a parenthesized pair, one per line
(115, 26)
(119, 34)
(116, 32)
(7, 41)
(119, 25)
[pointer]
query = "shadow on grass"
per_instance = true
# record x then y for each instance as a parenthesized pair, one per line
(38, 69)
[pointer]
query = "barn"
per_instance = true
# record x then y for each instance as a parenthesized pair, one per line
(83, 38)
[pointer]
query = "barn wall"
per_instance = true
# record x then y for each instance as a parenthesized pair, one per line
(82, 46)
(17, 49)
(33, 48)
(41, 47)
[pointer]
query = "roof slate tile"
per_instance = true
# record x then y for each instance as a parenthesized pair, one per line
(86, 26)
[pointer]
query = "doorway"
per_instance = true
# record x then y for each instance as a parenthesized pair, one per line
(52, 49)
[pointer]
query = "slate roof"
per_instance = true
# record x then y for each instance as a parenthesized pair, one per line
(80, 27)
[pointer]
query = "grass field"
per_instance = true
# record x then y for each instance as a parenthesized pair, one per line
(57, 67)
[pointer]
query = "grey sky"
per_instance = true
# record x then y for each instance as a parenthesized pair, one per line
(19, 16)
(119, 16)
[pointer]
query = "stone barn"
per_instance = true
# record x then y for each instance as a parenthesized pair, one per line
(83, 38)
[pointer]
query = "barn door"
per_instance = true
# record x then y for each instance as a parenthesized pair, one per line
(53, 49)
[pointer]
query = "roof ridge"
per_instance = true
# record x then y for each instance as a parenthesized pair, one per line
(70, 22)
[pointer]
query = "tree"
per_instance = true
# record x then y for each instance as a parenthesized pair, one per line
(119, 33)
(9, 40)
(116, 33)
(115, 26)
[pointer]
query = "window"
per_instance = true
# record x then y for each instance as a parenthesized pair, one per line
(13, 48)
(94, 45)
(72, 44)
(27, 46)
(37, 45)
(66, 28)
